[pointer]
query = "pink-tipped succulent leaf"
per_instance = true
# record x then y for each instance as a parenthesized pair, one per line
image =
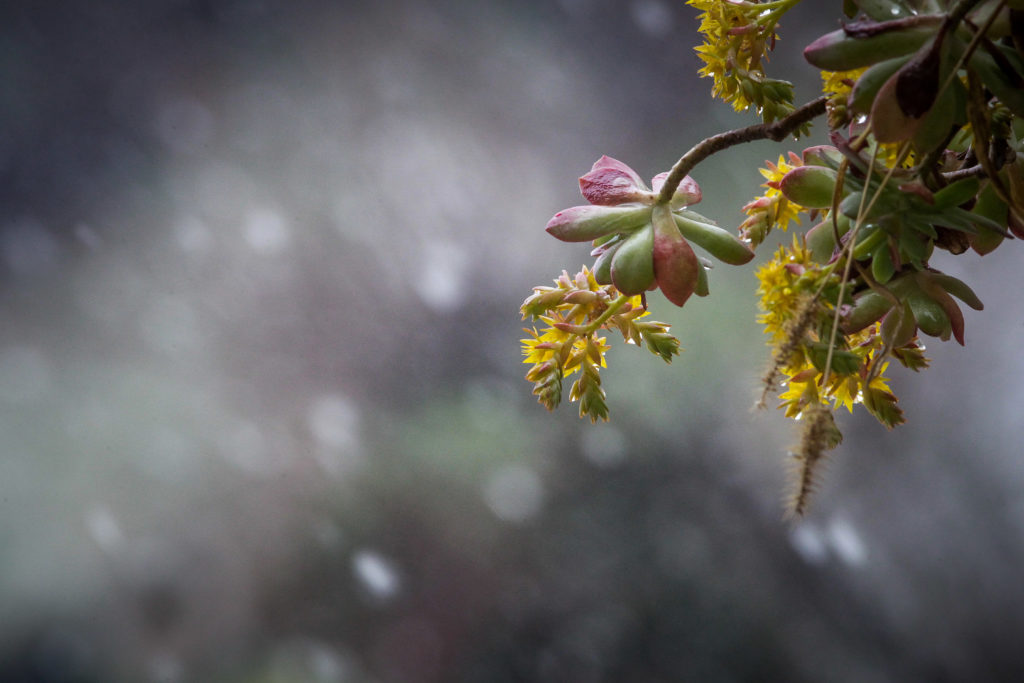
(676, 268)
(611, 182)
(686, 194)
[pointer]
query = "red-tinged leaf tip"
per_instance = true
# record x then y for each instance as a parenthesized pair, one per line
(586, 223)
(611, 182)
(956, 316)
(818, 154)
(811, 187)
(1016, 225)
(675, 263)
(686, 194)
(920, 190)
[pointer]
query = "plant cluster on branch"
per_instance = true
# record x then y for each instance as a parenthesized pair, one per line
(924, 107)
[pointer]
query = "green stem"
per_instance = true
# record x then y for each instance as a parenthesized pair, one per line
(862, 212)
(612, 309)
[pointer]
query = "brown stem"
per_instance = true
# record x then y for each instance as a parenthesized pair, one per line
(777, 131)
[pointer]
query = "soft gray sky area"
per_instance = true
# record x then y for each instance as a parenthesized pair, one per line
(261, 400)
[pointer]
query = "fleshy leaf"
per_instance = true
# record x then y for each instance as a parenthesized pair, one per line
(952, 310)
(611, 182)
(811, 187)
(585, 223)
(686, 194)
(917, 81)
(632, 266)
(676, 268)
(889, 122)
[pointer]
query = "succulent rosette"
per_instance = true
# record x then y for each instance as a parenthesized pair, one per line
(641, 244)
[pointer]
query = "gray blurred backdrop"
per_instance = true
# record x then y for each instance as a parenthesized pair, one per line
(261, 399)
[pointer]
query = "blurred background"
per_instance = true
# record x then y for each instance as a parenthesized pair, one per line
(261, 400)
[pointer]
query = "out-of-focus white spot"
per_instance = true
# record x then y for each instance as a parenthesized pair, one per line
(170, 325)
(809, 544)
(441, 281)
(27, 248)
(266, 231)
(846, 542)
(604, 446)
(25, 374)
(87, 236)
(325, 664)
(306, 659)
(193, 235)
(334, 421)
(166, 668)
(104, 528)
(653, 17)
(184, 125)
(376, 574)
(245, 446)
(514, 493)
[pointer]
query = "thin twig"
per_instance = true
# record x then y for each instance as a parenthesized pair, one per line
(777, 131)
(973, 171)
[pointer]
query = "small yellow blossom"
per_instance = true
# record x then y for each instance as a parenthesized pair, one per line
(840, 83)
(771, 210)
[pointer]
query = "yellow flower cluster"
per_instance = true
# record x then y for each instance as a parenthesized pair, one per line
(737, 36)
(780, 290)
(798, 319)
(804, 381)
(574, 310)
(726, 53)
(771, 210)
